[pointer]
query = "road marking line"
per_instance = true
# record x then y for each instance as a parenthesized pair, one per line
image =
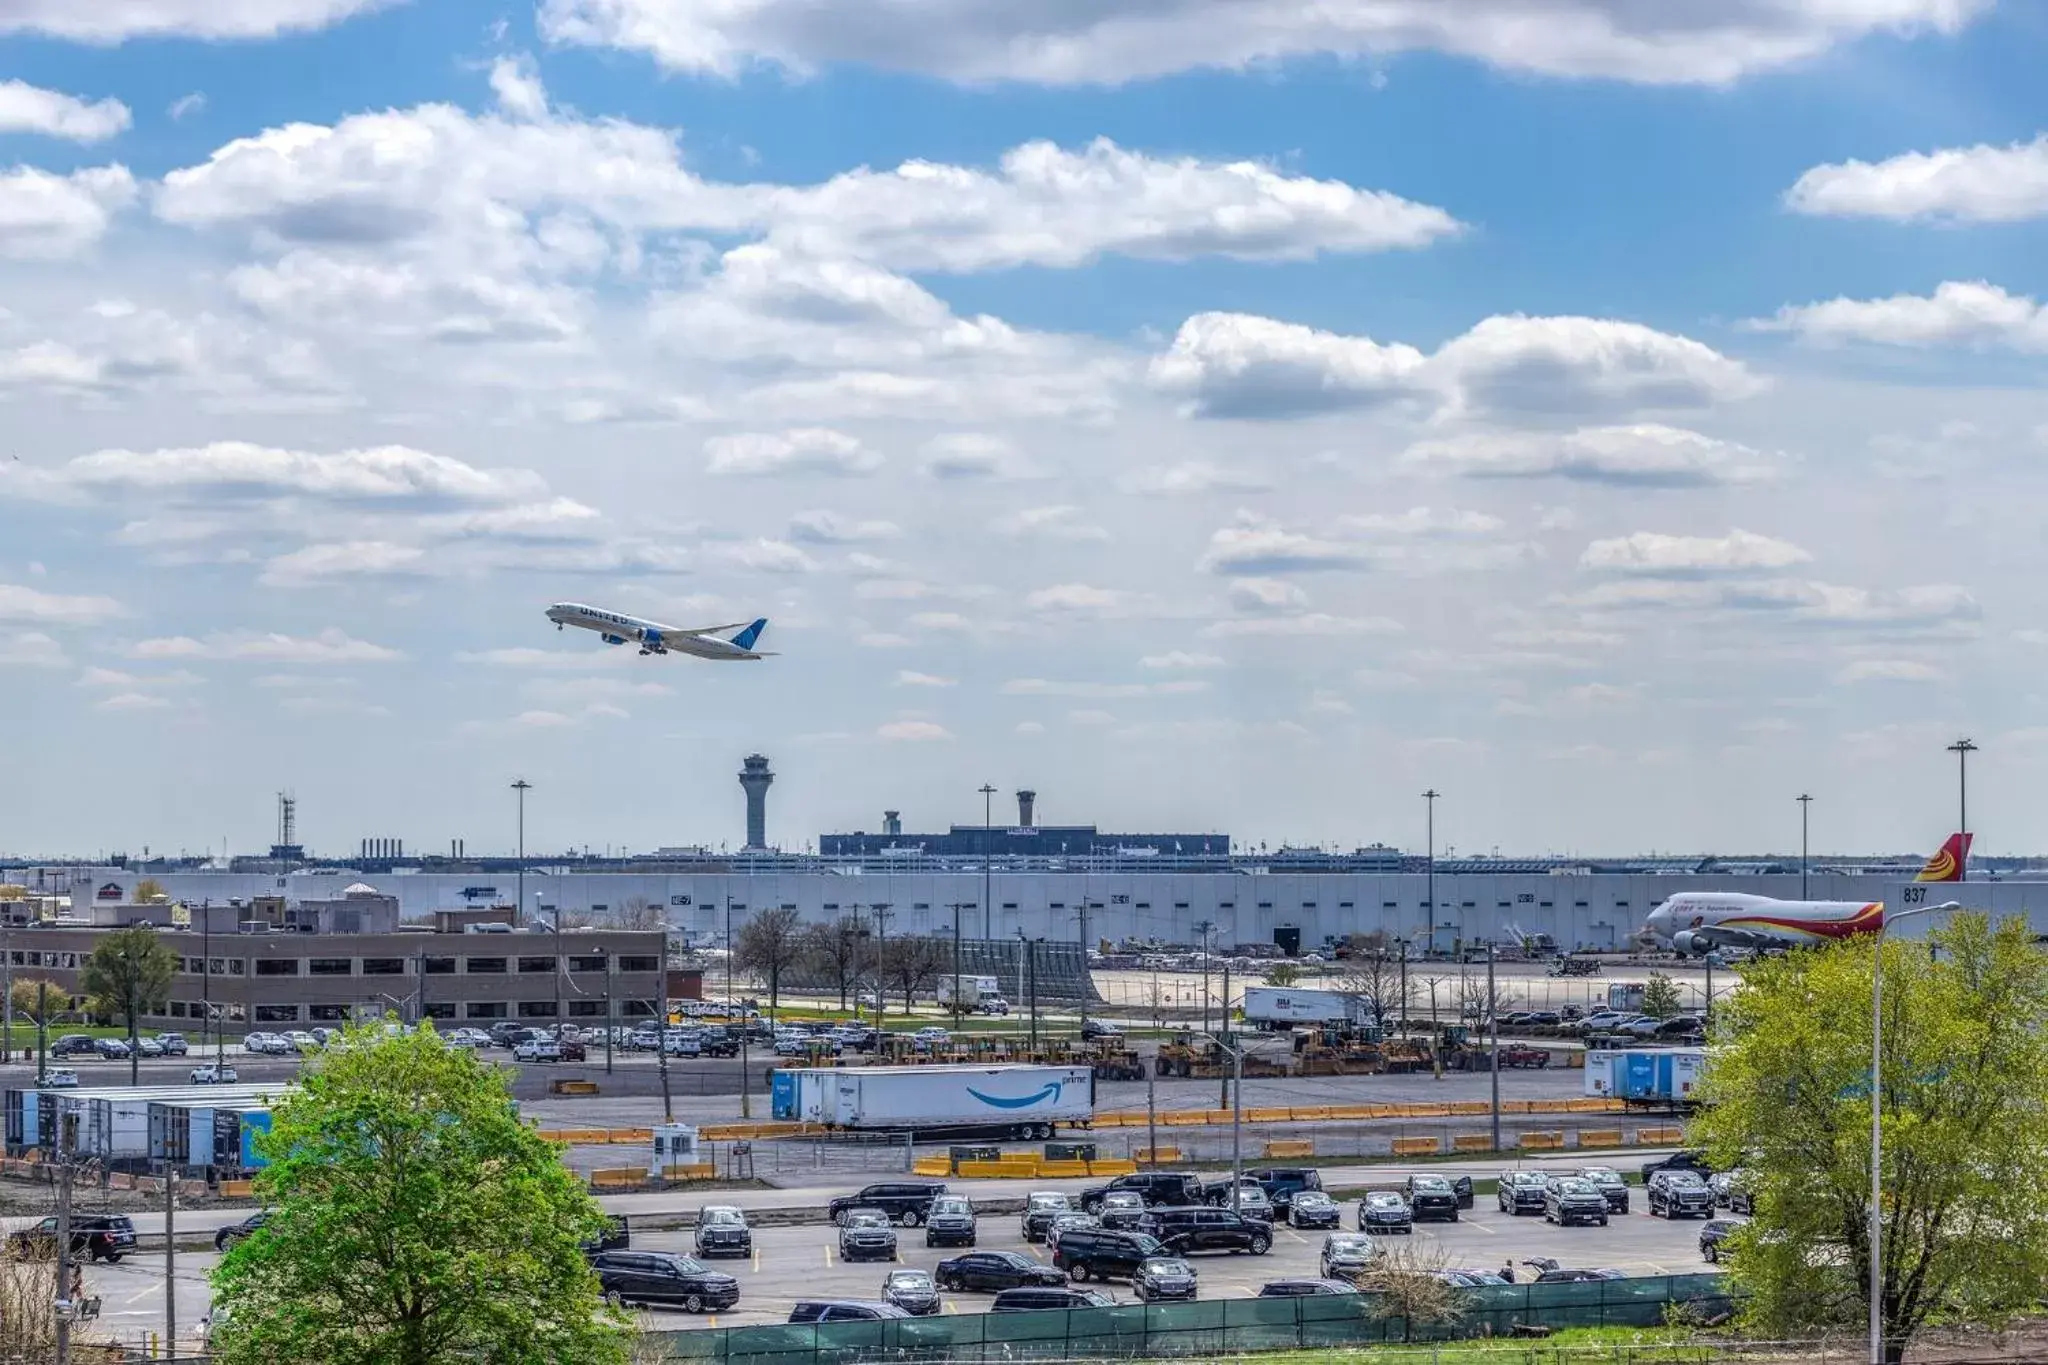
(828, 1258)
(141, 1294)
(1479, 1227)
(1296, 1236)
(757, 1261)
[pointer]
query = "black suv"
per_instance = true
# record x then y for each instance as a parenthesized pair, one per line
(1679, 1194)
(630, 1277)
(1679, 1161)
(904, 1203)
(1520, 1192)
(843, 1310)
(1156, 1187)
(1712, 1236)
(1028, 1300)
(1303, 1289)
(1430, 1196)
(101, 1236)
(1570, 1200)
(949, 1222)
(223, 1238)
(1201, 1228)
(75, 1045)
(1608, 1181)
(1282, 1183)
(864, 1235)
(722, 1231)
(991, 1272)
(1040, 1208)
(1099, 1253)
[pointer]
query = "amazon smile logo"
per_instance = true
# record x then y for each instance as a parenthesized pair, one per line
(1050, 1091)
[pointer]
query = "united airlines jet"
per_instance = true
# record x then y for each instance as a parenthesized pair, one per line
(703, 642)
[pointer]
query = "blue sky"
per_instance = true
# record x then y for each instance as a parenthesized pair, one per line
(1620, 418)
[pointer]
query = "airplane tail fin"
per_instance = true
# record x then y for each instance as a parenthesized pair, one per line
(746, 638)
(1949, 861)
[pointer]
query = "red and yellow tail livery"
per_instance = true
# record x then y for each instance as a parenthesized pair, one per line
(1949, 861)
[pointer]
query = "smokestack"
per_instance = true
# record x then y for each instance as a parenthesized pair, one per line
(755, 779)
(1025, 800)
(892, 823)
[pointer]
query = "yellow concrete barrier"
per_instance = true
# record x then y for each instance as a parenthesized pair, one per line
(1472, 1142)
(1219, 1116)
(1599, 1137)
(1157, 1155)
(696, 1170)
(994, 1170)
(628, 1178)
(237, 1189)
(1417, 1146)
(1267, 1115)
(1290, 1147)
(631, 1135)
(932, 1165)
(1118, 1167)
(1656, 1137)
(1346, 1113)
(567, 1087)
(1542, 1141)
(1062, 1170)
(1317, 1114)
(1184, 1118)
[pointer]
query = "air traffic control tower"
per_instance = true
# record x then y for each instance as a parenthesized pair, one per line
(755, 779)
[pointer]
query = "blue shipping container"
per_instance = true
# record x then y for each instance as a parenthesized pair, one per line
(782, 1096)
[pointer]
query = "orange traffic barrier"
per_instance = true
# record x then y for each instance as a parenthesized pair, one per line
(1417, 1146)
(1290, 1147)
(1543, 1141)
(1116, 1167)
(1472, 1142)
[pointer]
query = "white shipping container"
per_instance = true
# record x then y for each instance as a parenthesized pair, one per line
(1287, 1006)
(1019, 1096)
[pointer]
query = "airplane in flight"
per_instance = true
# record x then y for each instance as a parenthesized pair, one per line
(1694, 923)
(703, 642)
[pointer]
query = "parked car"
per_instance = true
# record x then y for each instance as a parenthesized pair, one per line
(950, 1222)
(1282, 1183)
(1071, 1221)
(537, 1049)
(1430, 1196)
(1742, 1198)
(842, 1310)
(865, 1235)
(1314, 1209)
(1301, 1289)
(114, 1049)
(992, 1004)
(1249, 1198)
(60, 1078)
(1569, 1200)
(1679, 1194)
(1608, 1181)
(904, 1202)
(1724, 1184)
(1200, 1228)
(1127, 1211)
(1040, 1208)
(656, 1277)
(722, 1231)
(212, 1074)
(1031, 1299)
(96, 1236)
(616, 1235)
(1520, 1192)
(226, 1237)
(1100, 1254)
(1564, 1276)
(570, 1048)
(1385, 1211)
(303, 1043)
(1092, 1029)
(148, 1047)
(1347, 1255)
(991, 1272)
(1164, 1279)
(1679, 1161)
(929, 1037)
(75, 1045)
(1156, 1188)
(1713, 1233)
(912, 1291)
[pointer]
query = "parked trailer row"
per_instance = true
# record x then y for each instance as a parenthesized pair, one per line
(1003, 1101)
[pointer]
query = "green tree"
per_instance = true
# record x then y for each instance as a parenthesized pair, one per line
(1787, 1096)
(128, 975)
(414, 1220)
(769, 945)
(150, 891)
(1660, 997)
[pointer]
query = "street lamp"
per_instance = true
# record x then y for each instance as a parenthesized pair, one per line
(1805, 809)
(1962, 749)
(521, 786)
(1877, 1119)
(1236, 1052)
(1430, 797)
(988, 840)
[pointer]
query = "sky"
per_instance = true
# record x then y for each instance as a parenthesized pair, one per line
(1214, 414)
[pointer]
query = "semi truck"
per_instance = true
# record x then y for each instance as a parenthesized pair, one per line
(1006, 1101)
(1276, 1007)
(1660, 1078)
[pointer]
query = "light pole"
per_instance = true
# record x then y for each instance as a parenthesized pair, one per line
(1962, 749)
(1429, 797)
(988, 843)
(1205, 928)
(522, 786)
(604, 955)
(1805, 809)
(956, 966)
(1493, 1027)
(1236, 1110)
(1877, 1120)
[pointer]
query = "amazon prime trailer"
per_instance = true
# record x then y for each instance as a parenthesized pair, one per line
(1013, 1101)
(1649, 1078)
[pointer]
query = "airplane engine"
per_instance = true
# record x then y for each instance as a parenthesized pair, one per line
(651, 642)
(1688, 944)
(613, 639)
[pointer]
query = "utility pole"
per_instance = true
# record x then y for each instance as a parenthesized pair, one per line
(956, 965)
(611, 1025)
(1031, 957)
(1962, 749)
(170, 1264)
(69, 1304)
(668, 1107)
(881, 963)
(1204, 928)
(42, 1028)
(1152, 1116)
(1430, 886)
(1224, 1029)
(6, 984)
(1805, 809)
(1493, 1027)
(522, 786)
(988, 844)
(205, 973)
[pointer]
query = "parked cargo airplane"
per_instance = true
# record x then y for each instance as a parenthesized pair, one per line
(654, 638)
(1697, 922)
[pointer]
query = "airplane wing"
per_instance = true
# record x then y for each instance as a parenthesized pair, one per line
(1710, 936)
(710, 630)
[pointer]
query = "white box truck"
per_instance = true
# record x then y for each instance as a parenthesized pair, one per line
(1277, 1007)
(1012, 1101)
(967, 991)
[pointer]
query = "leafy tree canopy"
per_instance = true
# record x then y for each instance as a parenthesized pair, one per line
(415, 1220)
(1965, 1156)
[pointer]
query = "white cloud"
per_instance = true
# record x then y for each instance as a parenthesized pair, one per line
(114, 677)
(92, 21)
(187, 105)
(1889, 670)
(1972, 313)
(1079, 599)
(19, 603)
(525, 656)
(1180, 659)
(1240, 365)
(913, 731)
(1047, 687)
(911, 678)
(804, 450)
(1254, 546)
(1266, 596)
(330, 646)
(1980, 184)
(829, 528)
(973, 456)
(1940, 609)
(394, 474)
(1048, 523)
(1194, 477)
(327, 563)
(1425, 522)
(132, 701)
(515, 84)
(1645, 455)
(1600, 694)
(1111, 41)
(31, 649)
(1566, 365)
(762, 555)
(1304, 623)
(1326, 703)
(1650, 554)
(44, 216)
(26, 108)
